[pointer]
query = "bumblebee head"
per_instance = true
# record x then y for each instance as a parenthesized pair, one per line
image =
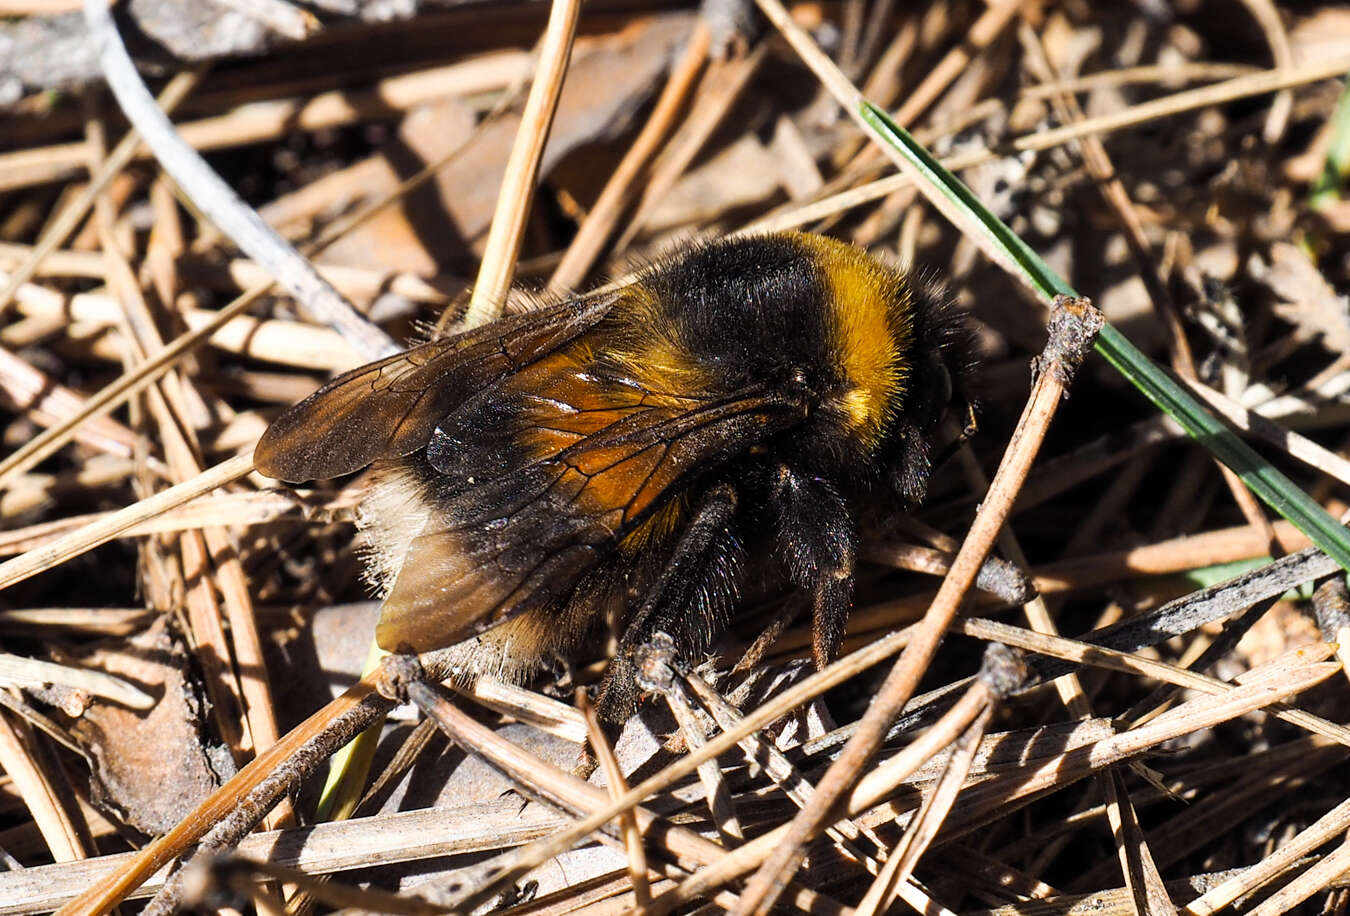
(942, 360)
(873, 357)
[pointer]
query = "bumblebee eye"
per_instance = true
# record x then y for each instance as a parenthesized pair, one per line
(944, 382)
(936, 396)
(796, 385)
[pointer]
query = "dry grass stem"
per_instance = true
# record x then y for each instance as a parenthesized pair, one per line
(69, 218)
(721, 86)
(1315, 879)
(559, 789)
(261, 121)
(900, 863)
(1326, 827)
(1268, 17)
(1136, 862)
(105, 529)
(546, 714)
(246, 797)
(522, 168)
(787, 777)
(658, 674)
(618, 785)
(17, 670)
(39, 795)
(847, 667)
(619, 191)
(213, 509)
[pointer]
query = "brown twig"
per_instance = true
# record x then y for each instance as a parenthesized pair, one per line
(598, 225)
(233, 809)
(554, 787)
(1001, 675)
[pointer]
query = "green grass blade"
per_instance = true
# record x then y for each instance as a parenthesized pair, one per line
(1158, 385)
(1326, 190)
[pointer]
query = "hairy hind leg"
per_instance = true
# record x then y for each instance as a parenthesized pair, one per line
(689, 601)
(815, 535)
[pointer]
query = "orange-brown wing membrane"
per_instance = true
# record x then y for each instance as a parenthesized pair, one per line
(604, 459)
(389, 408)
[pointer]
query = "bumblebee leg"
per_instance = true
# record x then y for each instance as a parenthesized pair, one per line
(815, 534)
(689, 601)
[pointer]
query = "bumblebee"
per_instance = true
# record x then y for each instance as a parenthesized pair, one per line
(615, 458)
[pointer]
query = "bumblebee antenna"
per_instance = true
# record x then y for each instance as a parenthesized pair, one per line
(967, 432)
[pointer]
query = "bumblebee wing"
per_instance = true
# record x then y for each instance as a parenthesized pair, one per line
(389, 408)
(602, 459)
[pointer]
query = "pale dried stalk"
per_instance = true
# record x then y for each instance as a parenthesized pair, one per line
(618, 785)
(290, 343)
(1268, 18)
(981, 34)
(1291, 443)
(1044, 643)
(55, 824)
(890, 774)
(224, 509)
(544, 713)
(721, 807)
(32, 672)
(363, 283)
(1068, 688)
(115, 393)
(1142, 878)
(522, 168)
(129, 383)
(105, 529)
(1181, 72)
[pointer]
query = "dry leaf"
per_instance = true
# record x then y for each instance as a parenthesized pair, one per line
(152, 767)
